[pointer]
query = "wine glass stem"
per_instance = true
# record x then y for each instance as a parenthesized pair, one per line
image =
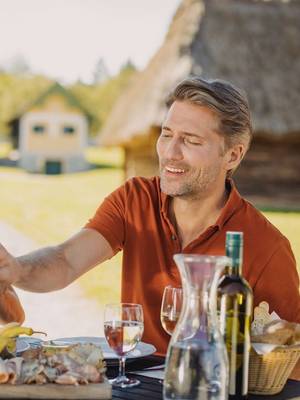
(122, 366)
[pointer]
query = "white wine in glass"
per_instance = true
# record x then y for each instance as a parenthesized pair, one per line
(123, 329)
(170, 308)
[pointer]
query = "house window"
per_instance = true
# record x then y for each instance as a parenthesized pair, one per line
(69, 130)
(39, 129)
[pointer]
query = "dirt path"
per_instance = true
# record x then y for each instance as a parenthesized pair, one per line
(62, 313)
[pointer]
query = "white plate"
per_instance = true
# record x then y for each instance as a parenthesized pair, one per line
(142, 349)
(21, 345)
(33, 342)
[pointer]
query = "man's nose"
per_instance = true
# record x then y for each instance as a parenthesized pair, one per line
(174, 150)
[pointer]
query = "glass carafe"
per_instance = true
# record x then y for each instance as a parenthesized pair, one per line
(196, 363)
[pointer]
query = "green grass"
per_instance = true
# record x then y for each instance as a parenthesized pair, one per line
(51, 208)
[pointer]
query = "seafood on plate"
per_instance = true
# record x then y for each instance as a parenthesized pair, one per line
(79, 364)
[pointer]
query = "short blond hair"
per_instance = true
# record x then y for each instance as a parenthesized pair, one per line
(228, 102)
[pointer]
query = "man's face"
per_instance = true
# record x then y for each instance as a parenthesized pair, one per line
(190, 151)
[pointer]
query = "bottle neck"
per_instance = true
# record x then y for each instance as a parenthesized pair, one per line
(235, 253)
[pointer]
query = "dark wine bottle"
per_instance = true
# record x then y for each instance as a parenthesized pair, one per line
(235, 302)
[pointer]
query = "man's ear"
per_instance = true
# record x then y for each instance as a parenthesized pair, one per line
(234, 156)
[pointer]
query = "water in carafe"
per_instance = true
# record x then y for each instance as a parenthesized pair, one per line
(196, 364)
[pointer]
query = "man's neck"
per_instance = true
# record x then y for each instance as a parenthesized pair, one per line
(192, 217)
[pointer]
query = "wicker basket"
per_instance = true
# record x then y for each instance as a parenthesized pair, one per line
(268, 373)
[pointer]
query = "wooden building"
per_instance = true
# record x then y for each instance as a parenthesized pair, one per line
(254, 44)
(51, 133)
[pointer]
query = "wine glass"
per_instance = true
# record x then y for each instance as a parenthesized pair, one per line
(123, 329)
(170, 308)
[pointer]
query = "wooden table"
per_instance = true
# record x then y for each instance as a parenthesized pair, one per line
(151, 389)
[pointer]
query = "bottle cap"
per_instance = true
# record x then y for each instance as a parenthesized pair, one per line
(234, 238)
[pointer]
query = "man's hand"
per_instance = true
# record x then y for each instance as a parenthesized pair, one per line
(10, 269)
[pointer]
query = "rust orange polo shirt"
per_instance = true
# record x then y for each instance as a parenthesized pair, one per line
(134, 218)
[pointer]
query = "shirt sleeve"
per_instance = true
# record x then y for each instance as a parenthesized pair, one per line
(278, 284)
(109, 219)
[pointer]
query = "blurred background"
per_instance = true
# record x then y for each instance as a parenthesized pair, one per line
(82, 91)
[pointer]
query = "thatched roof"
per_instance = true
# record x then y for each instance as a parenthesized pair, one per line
(253, 43)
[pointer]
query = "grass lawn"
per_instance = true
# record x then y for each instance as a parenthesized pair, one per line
(51, 208)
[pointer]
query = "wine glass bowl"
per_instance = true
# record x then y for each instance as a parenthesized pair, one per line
(123, 329)
(170, 308)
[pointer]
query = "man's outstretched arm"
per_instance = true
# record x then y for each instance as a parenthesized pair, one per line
(53, 268)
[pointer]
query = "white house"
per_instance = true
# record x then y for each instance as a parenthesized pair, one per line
(52, 133)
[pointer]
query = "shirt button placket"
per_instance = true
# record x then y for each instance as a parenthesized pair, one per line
(176, 242)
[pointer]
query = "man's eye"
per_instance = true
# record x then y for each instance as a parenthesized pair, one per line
(165, 135)
(191, 141)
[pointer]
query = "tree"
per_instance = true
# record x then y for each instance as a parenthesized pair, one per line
(100, 74)
(99, 99)
(17, 65)
(16, 92)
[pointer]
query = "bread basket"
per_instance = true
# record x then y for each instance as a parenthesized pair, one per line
(268, 373)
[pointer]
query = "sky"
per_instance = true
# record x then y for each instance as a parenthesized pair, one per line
(65, 38)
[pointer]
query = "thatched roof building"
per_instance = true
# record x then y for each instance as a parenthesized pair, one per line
(253, 43)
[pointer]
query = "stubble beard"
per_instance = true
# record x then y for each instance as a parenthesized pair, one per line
(195, 186)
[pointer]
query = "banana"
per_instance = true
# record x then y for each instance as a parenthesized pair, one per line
(8, 334)
(15, 331)
(11, 345)
(7, 347)
(3, 343)
(8, 326)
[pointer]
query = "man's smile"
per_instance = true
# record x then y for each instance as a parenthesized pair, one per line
(173, 170)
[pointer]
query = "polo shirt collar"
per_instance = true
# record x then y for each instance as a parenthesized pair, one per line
(233, 203)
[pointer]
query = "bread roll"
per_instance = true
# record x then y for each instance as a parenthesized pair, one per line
(279, 337)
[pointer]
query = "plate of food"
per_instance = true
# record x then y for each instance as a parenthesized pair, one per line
(142, 349)
(77, 373)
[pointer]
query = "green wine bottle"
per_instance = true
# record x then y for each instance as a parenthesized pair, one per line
(235, 302)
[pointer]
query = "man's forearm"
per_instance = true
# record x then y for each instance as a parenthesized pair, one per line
(44, 270)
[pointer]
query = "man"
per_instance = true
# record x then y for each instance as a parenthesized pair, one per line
(204, 137)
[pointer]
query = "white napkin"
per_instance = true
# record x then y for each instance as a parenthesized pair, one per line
(263, 348)
(152, 372)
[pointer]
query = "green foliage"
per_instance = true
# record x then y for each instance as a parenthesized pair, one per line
(99, 99)
(17, 91)
(5, 149)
